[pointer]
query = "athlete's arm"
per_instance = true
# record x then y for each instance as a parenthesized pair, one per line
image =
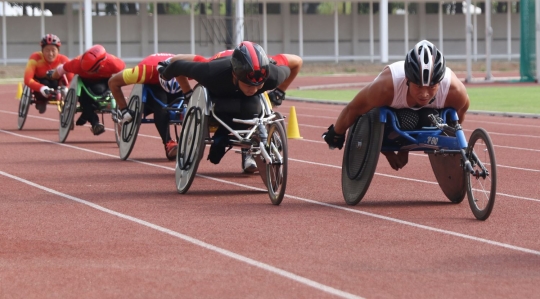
(294, 64)
(183, 80)
(378, 93)
(115, 85)
(457, 97)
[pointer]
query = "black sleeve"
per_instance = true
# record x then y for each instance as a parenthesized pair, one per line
(278, 74)
(186, 68)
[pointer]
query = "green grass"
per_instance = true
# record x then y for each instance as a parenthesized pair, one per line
(521, 99)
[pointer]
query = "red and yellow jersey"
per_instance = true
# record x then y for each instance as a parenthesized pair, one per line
(146, 71)
(37, 68)
(280, 59)
(109, 67)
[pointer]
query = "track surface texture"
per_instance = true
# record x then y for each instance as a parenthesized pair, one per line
(78, 222)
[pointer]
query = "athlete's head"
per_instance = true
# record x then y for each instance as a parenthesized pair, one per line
(50, 44)
(170, 86)
(93, 58)
(250, 64)
(424, 64)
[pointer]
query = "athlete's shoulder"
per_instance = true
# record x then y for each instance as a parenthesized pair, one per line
(37, 56)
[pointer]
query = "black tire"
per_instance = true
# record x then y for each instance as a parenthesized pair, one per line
(126, 133)
(67, 114)
(280, 116)
(190, 147)
(276, 172)
(361, 155)
(481, 185)
(24, 104)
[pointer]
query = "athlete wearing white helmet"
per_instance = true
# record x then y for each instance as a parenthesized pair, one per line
(421, 81)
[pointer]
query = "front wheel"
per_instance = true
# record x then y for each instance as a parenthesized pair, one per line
(276, 169)
(482, 183)
(24, 104)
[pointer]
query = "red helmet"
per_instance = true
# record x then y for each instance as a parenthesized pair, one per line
(50, 39)
(92, 59)
(250, 63)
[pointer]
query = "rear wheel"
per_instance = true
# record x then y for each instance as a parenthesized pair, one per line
(482, 183)
(361, 155)
(67, 114)
(190, 148)
(276, 169)
(126, 133)
(24, 104)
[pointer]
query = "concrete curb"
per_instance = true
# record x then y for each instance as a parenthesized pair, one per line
(474, 112)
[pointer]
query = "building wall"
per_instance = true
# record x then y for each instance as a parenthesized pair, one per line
(23, 35)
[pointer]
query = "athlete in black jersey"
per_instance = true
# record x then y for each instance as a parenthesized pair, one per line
(234, 84)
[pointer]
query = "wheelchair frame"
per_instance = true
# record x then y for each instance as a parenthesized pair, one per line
(445, 145)
(265, 140)
(28, 98)
(105, 103)
(126, 133)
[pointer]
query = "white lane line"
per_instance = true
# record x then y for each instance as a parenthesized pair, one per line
(192, 240)
(482, 240)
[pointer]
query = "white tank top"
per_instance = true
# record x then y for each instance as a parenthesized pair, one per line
(400, 88)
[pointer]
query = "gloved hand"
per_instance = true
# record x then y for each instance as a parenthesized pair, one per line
(49, 74)
(187, 96)
(46, 91)
(125, 115)
(272, 61)
(334, 140)
(276, 96)
(162, 65)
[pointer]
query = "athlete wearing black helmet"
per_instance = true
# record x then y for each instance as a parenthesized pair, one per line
(234, 82)
(422, 80)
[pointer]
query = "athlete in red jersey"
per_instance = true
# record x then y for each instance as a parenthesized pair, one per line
(35, 74)
(166, 91)
(94, 67)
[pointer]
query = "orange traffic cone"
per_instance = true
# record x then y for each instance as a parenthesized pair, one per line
(292, 127)
(19, 91)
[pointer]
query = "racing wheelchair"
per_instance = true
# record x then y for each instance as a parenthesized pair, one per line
(104, 104)
(126, 133)
(27, 99)
(265, 140)
(459, 167)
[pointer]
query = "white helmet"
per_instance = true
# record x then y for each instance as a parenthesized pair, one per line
(170, 86)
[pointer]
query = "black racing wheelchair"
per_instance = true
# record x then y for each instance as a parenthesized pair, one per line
(104, 104)
(126, 133)
(265, 140)
(459, 167)
(27, 99)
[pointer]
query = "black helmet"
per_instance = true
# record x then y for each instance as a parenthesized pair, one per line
(250, 63)
(424, 64)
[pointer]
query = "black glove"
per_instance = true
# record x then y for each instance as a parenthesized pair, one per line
(334, 140)
(272, 61)
(276, 96)
(49, 74)
(162, 65)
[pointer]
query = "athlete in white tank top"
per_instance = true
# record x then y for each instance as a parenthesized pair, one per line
(401, 88)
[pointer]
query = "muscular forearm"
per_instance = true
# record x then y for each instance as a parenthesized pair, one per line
(345, 120)
(295, 64)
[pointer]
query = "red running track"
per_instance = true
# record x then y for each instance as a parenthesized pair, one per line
(77, 222)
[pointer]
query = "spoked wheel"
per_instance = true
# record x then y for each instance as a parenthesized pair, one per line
(67, 114)
(276, 169)
(362, 150)
(24, 104)
(190, 147)
(126, 133)
(482, 184)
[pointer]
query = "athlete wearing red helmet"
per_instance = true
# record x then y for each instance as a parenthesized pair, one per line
(94, 67)
(234, 81)
(35, 73)
(419, 84)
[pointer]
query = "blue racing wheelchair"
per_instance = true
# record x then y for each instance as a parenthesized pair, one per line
(459, 167)
(126, 133)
